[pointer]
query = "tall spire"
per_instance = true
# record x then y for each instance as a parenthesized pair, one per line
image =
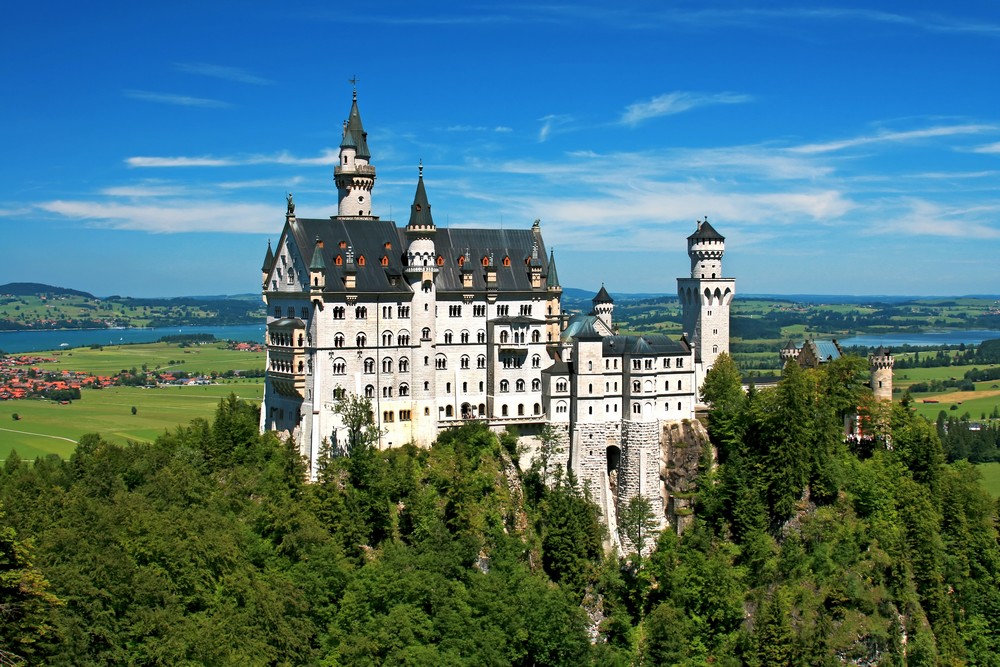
(420, 210)
(354, 176)
(552, 279)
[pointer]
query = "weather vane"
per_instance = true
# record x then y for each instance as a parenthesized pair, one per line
(354, 80)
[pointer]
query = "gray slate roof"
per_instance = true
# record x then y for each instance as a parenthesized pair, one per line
(706, 232)
(650, 344)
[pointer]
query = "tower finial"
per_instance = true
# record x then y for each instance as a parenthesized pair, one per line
(420, 168)
(354, 82)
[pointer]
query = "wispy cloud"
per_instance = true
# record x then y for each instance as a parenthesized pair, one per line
(988, 148)
(179, 100)
(478, 128)
(676, 102)
(328, 156)
(169, 217)
(237, 74)
(887, 136)
(550, 123)
(925, 218)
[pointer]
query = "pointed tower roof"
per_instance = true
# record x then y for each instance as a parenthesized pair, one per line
(603, 297)
(420, 210)
(552, 280)
(318, 263)
(706, 231)
(268, 259)
(354, 133)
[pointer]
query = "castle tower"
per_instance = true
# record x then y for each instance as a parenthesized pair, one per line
(881, 362)
(353, 175)
(604, 308)
(420, 270)
(705, 298)
(553, 306)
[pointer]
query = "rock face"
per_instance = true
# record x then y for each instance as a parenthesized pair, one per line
(682, 445)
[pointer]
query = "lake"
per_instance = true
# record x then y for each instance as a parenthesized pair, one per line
(36, 341)
(923, 339)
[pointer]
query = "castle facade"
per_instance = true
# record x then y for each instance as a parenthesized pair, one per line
(439, 325)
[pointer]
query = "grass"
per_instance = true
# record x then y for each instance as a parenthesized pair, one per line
(990, 477)
(195, 359)
(46, 427)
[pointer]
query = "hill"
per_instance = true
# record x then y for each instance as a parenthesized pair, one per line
(38, 289)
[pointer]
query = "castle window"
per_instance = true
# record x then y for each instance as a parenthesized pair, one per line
(369, 391)
(427, 387)
(636, 409)
(590, 389)
(339, 366)
(427, 412)
(404, 390)
(678, 385)
(304, 313)
(449, 411)
(486, 260)
(504, 336)
(447, 388)
(678, 405)
(404, 365)
(680, 362)
(666, 362)
(440, 260)
(402, 312)
(715, 349)
(441, 362)
(479, 311)
(637, 364)
(636, 387)
(461, 260)
(465, 336)
(339, 393)
(590, 411)
(561, 386)
(404, 415)
(715, 332)
(387, 416)
(387, 365)
(338, 260)
(447, 337)
(360, 313)
(338, 313)
(536, 336)
(481, 336)
(291, 311)
(361, 258)
(388, 245)
(386, 338)
(504, 386)
(536, 361)
(482, 410)
(465, 361)
(403, 339)
(386, 392)
(481, 361)
(342, 245)
(277, 311)
(506, 261)
(536, 385)
(649, 364)
(361, 340)
(520, 409)
(503, 410)
(369, 365)
(338, 340)
(519, 385)
(465, 387)
(425, 333)
(454, 311)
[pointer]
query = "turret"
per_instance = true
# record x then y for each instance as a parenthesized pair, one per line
(421, 259)
(317, 269)
(604, 307)
(266, 268)
(705, 248)
(354, 176)
(880, 363)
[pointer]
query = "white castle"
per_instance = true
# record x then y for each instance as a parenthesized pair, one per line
(441, 325)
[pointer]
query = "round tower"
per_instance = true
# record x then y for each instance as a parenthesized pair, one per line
(604, 308)
(354, 175)
(880, 363)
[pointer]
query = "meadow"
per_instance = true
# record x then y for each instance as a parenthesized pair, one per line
(48, 427)
(990, 477)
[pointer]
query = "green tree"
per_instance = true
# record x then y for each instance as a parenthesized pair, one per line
(638, 522)
(359, 419)
(549, 447)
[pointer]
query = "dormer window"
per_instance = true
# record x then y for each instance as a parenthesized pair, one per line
(385, 260)
(440, 260)
(506, 261)
(342, 245)
(361, 260)
(338, 260)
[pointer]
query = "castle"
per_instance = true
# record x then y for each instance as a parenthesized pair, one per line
(438, 325)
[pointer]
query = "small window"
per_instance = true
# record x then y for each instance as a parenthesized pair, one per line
(506, 261)
(361, 258)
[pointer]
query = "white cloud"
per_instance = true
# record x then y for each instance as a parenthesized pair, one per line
(237, 74)
(887, 136)
(327, 157)
(926, 218)
(550, 122)
(677, 102)
(478, 128)
(988, 148)
(171, 217)
(180, 100)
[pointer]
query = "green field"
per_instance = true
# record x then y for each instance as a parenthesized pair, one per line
(990, 477)
(47, 427)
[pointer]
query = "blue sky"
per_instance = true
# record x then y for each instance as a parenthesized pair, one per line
(842, 148)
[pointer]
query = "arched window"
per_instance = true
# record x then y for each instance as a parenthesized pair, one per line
(715, 349)
(441, 362)
(465, 336)
(480, 336)
(449, 411)
(369, 391)
(504, 386)
(338, 340)
(520, 409)
(504, 336)
(636, 387)
(537, 409)
(536, 336)
(404, 365)
(403, 338)
(386, 392)
(386, 338)
(425, 333)
(360, 313)
(636, 409)
(503, 410)
(465, 361)
(447, 337)
(519, 385)
(536, 385)
(481, 361)
(361, 339)
(387, 365)
(561, 385)
(369, 365)
(404, 389)
(339, 366)
(338, 313)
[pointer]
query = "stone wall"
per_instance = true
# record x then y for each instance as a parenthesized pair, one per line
(681, 447)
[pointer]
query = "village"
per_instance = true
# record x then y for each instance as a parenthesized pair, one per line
(23, 377)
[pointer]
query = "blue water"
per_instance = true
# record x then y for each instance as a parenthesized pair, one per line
(36, 341)
(924, 339)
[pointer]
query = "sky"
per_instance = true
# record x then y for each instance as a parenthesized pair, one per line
(841, 148)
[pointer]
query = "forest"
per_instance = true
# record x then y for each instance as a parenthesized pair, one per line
(208, 546)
